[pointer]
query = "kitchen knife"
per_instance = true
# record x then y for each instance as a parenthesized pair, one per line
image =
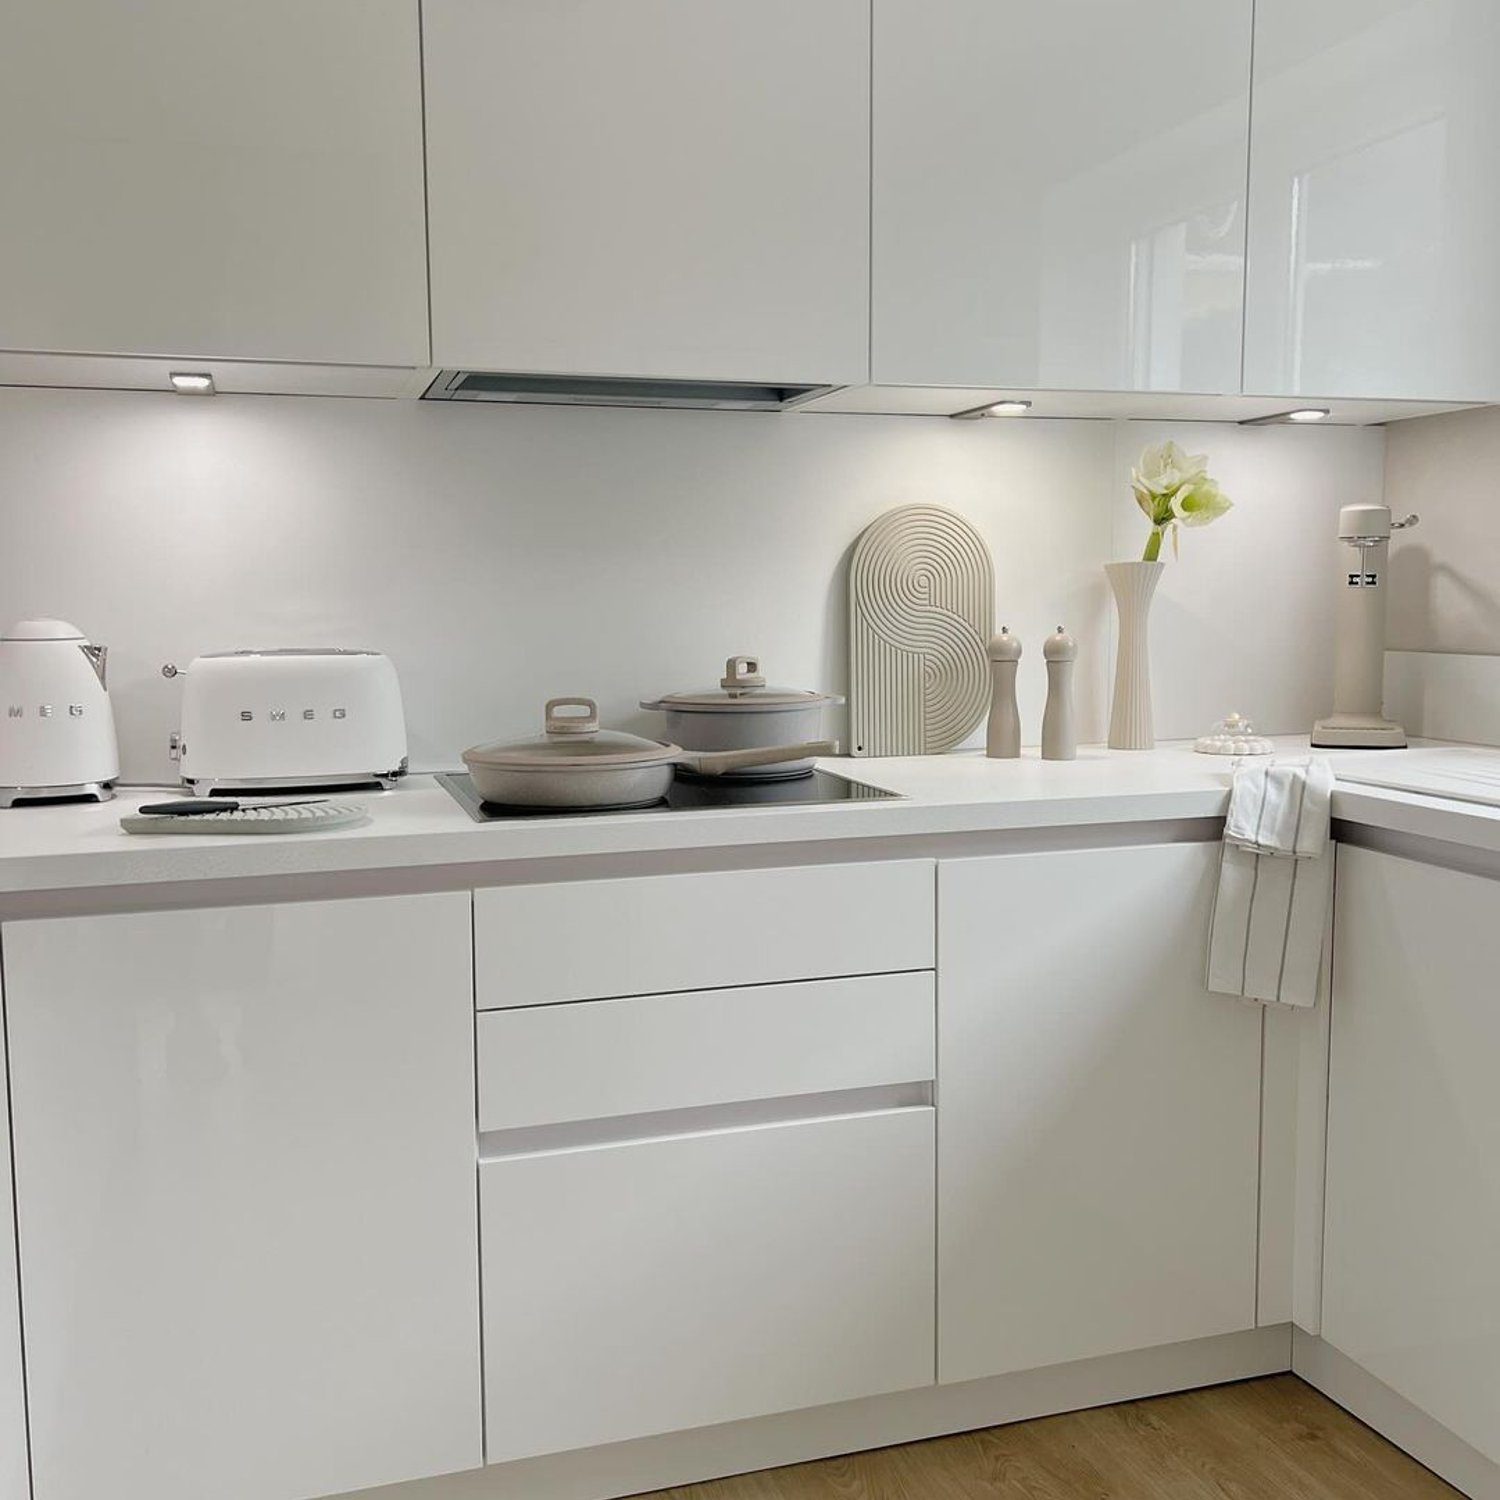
(188, 807)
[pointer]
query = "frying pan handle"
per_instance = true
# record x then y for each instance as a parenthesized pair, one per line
(572, 725)
(716, 762)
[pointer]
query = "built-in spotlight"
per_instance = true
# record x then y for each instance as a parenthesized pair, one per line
(1297, 414)
(192, 383)
(1010, 407)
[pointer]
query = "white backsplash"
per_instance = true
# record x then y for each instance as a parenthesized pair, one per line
(502, 556)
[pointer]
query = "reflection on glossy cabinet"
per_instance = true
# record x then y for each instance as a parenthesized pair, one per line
(1097, 1162)
(667, 188)
(240, 178)
(14, 1482)
(1412, 1238)
(245, 1182)
(1374, 248)
(1059, 193)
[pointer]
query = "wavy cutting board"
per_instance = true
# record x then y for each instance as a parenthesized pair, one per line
(921, 609)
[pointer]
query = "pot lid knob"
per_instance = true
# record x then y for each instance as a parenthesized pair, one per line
(574, 725)
(742, 674)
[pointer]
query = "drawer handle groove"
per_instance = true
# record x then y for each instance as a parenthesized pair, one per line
(666, 1124)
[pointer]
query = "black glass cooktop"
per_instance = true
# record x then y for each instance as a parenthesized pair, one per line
(687, 794)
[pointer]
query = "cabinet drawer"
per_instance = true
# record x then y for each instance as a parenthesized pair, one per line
(558, 1063)
(672, 1283)
(590, 940)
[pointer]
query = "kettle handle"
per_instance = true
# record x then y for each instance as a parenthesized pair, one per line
(98, 659)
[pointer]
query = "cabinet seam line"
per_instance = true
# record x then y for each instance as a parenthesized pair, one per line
(426, 188)
(1249, 147)
(1260, 1168)
(484, 1420)
(870, 200)
(698, 989)
(937, 1126)
(15, 1220)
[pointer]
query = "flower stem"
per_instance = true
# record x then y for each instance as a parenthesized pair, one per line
(1153, 546)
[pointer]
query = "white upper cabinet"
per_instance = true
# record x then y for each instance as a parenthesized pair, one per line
(1059, 193)
(14, 1481)
(245, 1184)
(232, 178)
(1374, 249)
(668, 188)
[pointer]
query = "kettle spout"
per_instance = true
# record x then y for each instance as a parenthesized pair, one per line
(98, 658)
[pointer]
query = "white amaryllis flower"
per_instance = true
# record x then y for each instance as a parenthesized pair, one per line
(1164, 468)
(1174, 488)
(1199, 503)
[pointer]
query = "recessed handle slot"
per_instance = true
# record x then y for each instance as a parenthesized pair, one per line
(750, 1114)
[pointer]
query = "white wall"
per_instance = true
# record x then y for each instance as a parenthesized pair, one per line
(1243, 620)
(1442, 672)
(505, 555)
(1445, 575)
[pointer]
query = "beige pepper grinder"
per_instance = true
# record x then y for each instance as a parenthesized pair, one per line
(1002, 739)
(1059, 735)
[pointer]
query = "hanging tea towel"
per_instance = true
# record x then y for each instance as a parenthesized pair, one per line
(1275, 880)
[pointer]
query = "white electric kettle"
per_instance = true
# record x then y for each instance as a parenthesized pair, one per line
(57, 730)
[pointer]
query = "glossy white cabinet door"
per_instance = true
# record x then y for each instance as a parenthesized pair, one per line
(1059, 193)
(14, 1480)
(1374, 249)
(245, 1173)
(1411, 1259)
(240, 178)
(669, 188)
(656, 1285)
(1100, 1111)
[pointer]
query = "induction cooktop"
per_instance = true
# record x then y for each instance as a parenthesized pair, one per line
(687, 794)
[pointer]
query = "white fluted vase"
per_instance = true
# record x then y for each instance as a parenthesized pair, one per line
(1134, 585)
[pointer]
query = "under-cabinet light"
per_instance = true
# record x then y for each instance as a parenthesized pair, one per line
(1297, 414)
(1007, 408)
(191, 383)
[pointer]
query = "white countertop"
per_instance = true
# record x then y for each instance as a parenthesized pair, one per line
(81, 846)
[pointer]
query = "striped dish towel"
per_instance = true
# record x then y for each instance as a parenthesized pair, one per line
(1275, 882)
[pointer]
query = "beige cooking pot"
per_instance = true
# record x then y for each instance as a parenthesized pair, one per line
(574, 765)
(743, 713)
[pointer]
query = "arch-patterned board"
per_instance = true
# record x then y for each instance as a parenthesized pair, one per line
(921, 609)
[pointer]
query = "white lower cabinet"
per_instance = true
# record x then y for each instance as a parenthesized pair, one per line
(1411, 1268)
(649, 1285)
(244, 1145)
(1098, 1157)
(14, 1483)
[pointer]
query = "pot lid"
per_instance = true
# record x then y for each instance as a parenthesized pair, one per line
(742, 689)
(572, 740)
(42, 630)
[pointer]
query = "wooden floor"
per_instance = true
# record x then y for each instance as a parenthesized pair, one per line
(1271, 1439)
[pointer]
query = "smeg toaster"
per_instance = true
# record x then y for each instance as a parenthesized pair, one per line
(289, 718)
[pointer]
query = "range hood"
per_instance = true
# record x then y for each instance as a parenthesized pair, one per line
(590, 390)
